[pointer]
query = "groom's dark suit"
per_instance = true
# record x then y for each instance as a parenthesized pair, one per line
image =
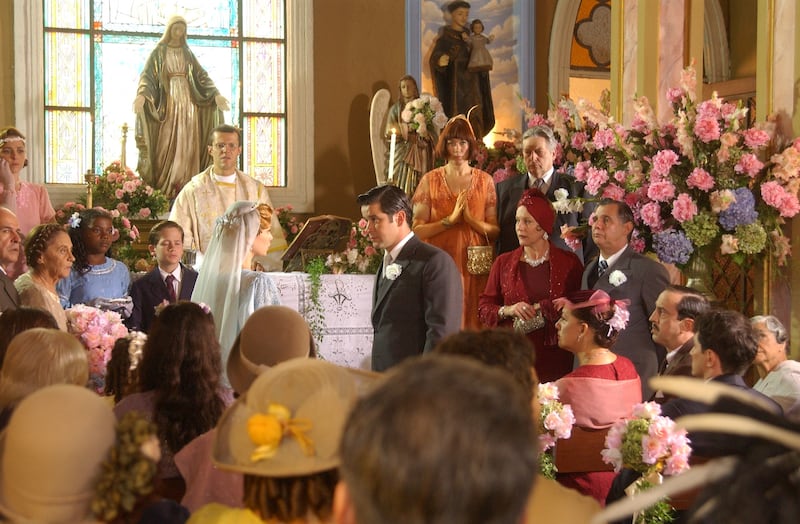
(150, 290)
(411, 313)
(510, 191)
(645, 279)
(9, 299)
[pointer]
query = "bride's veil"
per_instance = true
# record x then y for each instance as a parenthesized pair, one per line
(218, 284)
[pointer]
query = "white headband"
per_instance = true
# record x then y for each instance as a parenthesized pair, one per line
(4, 141)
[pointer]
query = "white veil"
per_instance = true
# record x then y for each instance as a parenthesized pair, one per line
(218, 284)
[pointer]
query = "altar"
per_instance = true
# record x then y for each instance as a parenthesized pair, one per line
(347, 304)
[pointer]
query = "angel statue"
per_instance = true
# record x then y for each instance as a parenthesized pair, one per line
(177, 105)
(412, 155)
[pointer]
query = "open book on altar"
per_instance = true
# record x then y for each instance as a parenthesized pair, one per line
(320, 236)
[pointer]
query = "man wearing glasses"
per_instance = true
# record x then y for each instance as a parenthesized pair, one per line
(207, 195)
(10, 246)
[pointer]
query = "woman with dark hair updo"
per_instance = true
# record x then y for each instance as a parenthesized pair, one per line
(179, 384)
(48, 251)
(605, 386)
(95, 277)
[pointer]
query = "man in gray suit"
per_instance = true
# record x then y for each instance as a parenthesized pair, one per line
(10, 246)
(538, 149)
(625, 274)
(418, 294)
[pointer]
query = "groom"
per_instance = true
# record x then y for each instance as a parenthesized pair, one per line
(418, 294)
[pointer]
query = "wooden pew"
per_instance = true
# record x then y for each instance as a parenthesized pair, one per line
(581, 452)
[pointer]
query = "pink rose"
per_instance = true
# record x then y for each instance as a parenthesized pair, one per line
(129, 186)
(362, 224)
(637, 244)
(755, 138)
(114, 213)
(707, 129)
(595, 178)
(614, 192)
(144, 212)
(661, 191)
(578, 140)
(700, 179)
(370, 251)
(122, 207)
(651, 216)
(684, 208)
(663, 162)
(119, 193)
(748, 164)
(126, 223)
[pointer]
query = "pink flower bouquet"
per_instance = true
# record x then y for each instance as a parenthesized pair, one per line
(647, 443)
(97, 330)
(555, 422)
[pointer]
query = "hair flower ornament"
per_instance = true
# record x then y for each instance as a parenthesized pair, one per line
(617, 278)
(74, 220)
(266, 431)
(620, 318)
(393, 271)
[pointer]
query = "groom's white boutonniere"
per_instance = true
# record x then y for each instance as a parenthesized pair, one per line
(617, 278)
(393, 271)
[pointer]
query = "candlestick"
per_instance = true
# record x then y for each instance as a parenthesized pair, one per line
(391, 154)
(89, 177)
(123, 154)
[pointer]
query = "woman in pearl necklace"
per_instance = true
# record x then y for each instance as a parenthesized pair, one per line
(523, 283)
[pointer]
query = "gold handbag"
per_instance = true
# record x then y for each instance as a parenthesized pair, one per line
(480, 258)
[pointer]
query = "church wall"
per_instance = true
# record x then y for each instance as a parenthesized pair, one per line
(359, 47)
(6, 63)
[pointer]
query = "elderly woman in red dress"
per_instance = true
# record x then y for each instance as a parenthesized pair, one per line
(523, 283)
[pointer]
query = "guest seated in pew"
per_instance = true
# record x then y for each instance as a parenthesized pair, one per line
(226, 283)
(169, 282)
(15, 321)
(758, 483)
(672, 326)
(96, 279)
(605, 386)
(503, 349)
(442, 439)
(272, 334)
(725, 345)
(780, 376)
(283, 436)
(37, 358)
(29, 201)
(67, 460)
(122, 370)
(48, 250)
(179, 384)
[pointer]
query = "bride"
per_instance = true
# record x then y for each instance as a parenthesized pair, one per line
(226, 283)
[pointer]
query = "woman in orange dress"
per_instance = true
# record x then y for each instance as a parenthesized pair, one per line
(455, 207)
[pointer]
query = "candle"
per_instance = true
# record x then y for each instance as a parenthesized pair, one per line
(391, 154)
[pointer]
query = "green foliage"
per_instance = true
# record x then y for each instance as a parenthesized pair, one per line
(314, 312)
(547, 466)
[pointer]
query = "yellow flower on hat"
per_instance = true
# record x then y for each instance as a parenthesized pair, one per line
(266, 431)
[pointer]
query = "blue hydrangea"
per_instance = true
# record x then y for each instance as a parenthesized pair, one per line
(741, 212)
(673, 247)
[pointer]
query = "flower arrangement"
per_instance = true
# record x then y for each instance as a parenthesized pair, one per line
(503, 160)
(129, 470)
(359, 257)
(121, 189)
(555, 422)
(698, 184)
(125, 232)
(424, 115)
(650, 444)
(97, 330)
(289, 222)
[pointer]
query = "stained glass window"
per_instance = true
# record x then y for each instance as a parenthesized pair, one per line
(95, 50)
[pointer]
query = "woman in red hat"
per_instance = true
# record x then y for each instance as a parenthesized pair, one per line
(523, 283)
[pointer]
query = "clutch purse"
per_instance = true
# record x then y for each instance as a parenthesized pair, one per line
(532, 324)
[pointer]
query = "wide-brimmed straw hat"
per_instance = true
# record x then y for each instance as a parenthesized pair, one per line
(290, 420)
(272, 334)
(52, 454)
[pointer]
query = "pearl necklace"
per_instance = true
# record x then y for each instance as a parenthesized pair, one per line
(534, 262)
